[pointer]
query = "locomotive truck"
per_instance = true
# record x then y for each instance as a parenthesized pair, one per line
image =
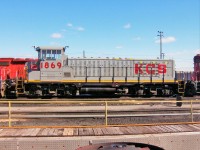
(55, 74)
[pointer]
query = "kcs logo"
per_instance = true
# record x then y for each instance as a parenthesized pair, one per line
(150, 68)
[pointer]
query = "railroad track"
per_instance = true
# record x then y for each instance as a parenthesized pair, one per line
(86, 98)
(25, 116)
(91, 114)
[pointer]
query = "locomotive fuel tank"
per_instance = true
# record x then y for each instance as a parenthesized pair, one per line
(97, 90)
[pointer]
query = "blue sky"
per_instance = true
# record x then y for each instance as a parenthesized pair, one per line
(102, 28)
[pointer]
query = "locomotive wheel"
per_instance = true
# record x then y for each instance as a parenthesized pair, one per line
(189, 93)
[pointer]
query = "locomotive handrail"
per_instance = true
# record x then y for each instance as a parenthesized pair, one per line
(106, 109)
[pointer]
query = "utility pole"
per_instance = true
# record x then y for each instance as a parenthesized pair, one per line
(163, 55)
(83, 54)
(160, 35)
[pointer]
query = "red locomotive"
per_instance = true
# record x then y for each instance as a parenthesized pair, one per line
(12, 72)
(10, 68)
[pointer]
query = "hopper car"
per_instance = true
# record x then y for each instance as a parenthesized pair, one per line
(54, 74)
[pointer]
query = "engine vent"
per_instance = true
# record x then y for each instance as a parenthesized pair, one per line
(67, 74)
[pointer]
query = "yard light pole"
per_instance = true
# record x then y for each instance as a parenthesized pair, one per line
(163, 55)
(160, 35)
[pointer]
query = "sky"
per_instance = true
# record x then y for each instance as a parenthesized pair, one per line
(103, 28)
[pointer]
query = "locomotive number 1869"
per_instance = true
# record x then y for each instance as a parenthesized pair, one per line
(51, 65)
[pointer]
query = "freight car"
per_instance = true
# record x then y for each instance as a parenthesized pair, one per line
(191, 76)
(196, 75)
(55, 74)
(184, 75)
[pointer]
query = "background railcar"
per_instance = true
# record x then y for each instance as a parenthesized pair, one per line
(196, 75)
(10, 68)
(191, 76)
(12, 75)
(184, 75)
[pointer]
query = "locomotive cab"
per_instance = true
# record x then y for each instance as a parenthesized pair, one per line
(49, 53)
(50, 64)
(52, 70)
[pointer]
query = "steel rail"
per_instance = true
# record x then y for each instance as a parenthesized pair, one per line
(82, 98)
(103, 126)
(98, 115)
(97, 108)
(120, 101)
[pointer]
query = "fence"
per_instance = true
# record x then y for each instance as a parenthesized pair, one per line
(20, 113)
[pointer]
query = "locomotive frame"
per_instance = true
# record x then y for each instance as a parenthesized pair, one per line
(55, 74)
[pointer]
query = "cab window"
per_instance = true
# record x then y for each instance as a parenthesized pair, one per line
(43, 54)
(39, 55)
(58, 54)
(53, 54)
(48, 54)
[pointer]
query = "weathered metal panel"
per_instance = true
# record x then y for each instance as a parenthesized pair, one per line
(34, 75)
(122, 68)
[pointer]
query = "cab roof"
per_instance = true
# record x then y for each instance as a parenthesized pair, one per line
(50, 48)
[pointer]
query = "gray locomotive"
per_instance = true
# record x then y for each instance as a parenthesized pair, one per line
(55, 74)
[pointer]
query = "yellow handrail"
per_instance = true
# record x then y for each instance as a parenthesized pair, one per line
(106, 113)
(9, 114)
(106, 103)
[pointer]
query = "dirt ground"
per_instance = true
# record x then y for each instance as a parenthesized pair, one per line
(55, 109)
(99, 121)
